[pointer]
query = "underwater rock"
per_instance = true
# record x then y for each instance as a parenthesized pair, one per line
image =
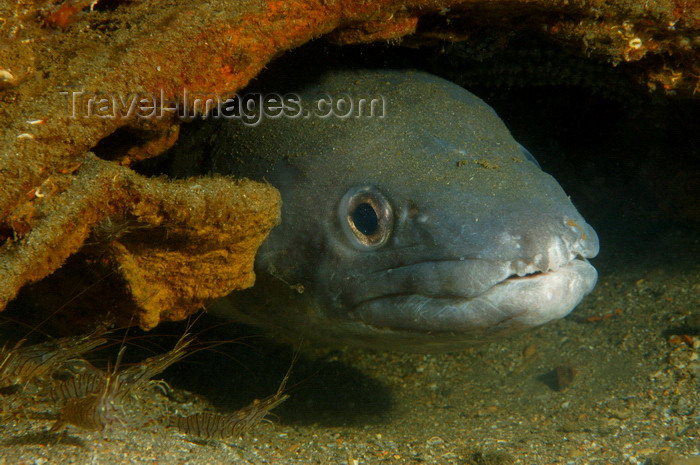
(176, 245)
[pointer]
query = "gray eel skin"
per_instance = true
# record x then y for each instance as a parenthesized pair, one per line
(430, 229)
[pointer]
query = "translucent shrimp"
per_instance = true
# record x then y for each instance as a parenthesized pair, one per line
(22, 364)
(94, 401)
(211, 425)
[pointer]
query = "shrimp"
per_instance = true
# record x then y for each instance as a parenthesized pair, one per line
(137, 376)
(92, 412)
(80, 385)
(20, 365)
(95, 400)
(211, 425)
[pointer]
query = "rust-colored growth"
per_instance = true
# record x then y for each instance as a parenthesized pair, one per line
(210, 229)
(63, 16)
(388, 28)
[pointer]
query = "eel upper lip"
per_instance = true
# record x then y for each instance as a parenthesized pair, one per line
(529, 269)
(534, 275)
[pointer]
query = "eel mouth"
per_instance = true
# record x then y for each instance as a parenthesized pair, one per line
(525, 297)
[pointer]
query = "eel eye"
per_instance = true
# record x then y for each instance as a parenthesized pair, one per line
(366, 217)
